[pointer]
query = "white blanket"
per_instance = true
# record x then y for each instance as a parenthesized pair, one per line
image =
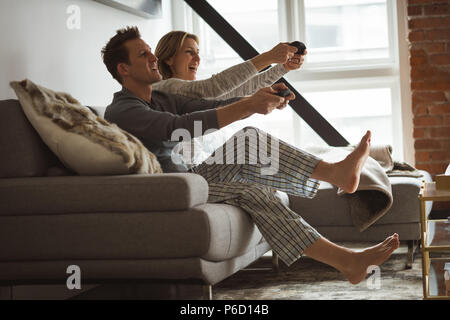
(373, 198)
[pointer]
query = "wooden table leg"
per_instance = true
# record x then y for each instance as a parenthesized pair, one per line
(275, 262)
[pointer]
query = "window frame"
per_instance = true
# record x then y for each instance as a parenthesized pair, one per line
(293, 12)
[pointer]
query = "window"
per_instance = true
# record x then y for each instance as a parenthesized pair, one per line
(342, 31)
(216, 54)
(350, 74)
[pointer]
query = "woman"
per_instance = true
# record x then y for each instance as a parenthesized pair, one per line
(178, 60)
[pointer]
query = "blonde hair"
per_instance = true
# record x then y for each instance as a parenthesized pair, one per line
(167, 47)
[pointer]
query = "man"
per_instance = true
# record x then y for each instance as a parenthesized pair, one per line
(152, 117)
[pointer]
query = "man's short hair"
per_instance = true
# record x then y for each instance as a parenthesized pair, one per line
(116, 52)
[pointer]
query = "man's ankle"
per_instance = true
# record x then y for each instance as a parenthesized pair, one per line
(325, 171)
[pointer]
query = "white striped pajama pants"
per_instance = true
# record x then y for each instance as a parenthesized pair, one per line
(242, 185)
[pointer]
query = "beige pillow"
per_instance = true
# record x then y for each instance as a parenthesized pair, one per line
(85, 143)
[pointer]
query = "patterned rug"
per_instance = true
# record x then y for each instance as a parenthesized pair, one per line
(308, 279)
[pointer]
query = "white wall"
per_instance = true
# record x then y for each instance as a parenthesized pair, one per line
(37, 44)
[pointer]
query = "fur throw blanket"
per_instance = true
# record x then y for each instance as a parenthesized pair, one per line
(69, 115)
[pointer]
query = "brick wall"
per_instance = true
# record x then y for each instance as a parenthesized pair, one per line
(429, 37)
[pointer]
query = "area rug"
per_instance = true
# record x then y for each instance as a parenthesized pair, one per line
(308, 279)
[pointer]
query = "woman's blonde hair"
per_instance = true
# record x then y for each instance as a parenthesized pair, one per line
(167, 47)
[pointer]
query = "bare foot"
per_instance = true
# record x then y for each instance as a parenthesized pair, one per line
(356, 271)
(348, 170)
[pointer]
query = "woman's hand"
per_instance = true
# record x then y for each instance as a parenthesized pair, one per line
(281, 53)
(295, 62)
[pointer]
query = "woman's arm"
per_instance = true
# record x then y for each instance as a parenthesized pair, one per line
(262, 80)
(218, 85)
(267, 78)
(229, 79)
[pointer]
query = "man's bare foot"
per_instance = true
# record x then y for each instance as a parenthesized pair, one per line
(347, 171)
(356, 270)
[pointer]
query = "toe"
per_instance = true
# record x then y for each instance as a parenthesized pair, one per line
(393, 244)
(388, 239)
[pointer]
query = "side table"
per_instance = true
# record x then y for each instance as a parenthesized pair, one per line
(435, 238)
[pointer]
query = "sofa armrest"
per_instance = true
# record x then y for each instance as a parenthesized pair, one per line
(121, 193)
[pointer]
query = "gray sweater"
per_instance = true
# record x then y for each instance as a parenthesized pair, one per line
(237, 81)
(153, 123)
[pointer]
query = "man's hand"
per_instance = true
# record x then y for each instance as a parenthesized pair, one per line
(279, 87)
(265, 100)
(295, 62)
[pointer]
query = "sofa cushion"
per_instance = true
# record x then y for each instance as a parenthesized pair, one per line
(213, 232)
(87, 194)
(23, 153)
(82, 141)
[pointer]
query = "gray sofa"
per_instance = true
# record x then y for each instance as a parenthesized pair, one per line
(140, 236)
(122, 231)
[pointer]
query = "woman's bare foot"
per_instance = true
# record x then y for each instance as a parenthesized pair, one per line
(348, 171)
(356, 270)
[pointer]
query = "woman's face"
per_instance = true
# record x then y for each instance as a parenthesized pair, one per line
(185, 62)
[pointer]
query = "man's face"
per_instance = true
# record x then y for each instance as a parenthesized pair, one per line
(143, 65)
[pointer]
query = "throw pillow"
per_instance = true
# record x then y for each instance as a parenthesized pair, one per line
(84, 142)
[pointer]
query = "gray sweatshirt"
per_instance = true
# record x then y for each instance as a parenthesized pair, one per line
(153, 123)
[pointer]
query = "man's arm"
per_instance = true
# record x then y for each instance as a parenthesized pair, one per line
(133, 116)
(148, 124)
(233, 112)
(228, 111)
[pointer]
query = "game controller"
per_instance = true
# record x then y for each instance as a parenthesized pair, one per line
(283, 93)
(300, 47)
